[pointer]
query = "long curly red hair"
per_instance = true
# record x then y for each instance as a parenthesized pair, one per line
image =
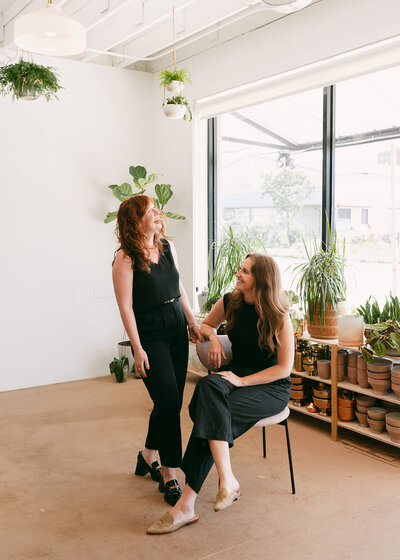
(130, 233)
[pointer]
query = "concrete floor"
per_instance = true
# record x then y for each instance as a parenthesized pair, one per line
(67, 490)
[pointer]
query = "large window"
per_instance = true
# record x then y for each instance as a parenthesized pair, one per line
(269, 178)
(269, 173)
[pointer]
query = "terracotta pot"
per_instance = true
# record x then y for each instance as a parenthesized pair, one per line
(352, 374)
(341, 356)
(396, 368)
(381, 375)
(322, 403)
(345, 413)
(352, 356)
(346, 403)
(362, 417)
(297, 394)
(361, 408)
(296, 380)
(326, 329)
(379, 386)
(361, 363)
(365, 400)
(324, 369)
(324, 394)
(379, 365)
(395, 376)
(393, 419)
(341, 370)
(394, 433)
(362, 378)
(376, 426)
(376, 413)
(396, 389)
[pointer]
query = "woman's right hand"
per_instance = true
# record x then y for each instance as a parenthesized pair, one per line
(141, 362)
(215, 351)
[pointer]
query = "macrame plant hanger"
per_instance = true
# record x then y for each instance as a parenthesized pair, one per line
(173, 57)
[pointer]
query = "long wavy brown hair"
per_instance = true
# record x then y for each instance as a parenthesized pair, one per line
(130, 233)
(271, 302)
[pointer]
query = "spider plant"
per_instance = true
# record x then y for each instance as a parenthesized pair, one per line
(321, 280)
(372, 313)
(230, 254)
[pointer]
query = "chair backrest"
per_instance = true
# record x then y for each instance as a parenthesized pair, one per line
(202, 350)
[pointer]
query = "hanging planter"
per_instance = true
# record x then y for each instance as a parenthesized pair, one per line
(27, 80)
(177, 108)
(173, 81)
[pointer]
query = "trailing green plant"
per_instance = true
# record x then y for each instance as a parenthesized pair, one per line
(381, 337)
(181, 100)
(25, 77)
(231, 252)
(141, 181)
(321, 280)
(168, 76)
(372, 313)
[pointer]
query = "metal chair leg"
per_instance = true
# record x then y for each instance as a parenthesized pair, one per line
(264, 443)
(285, 423)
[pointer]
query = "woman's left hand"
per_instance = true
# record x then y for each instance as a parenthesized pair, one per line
(231, 377)
(195, 334)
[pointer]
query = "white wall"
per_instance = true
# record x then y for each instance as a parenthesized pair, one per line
(58, 318)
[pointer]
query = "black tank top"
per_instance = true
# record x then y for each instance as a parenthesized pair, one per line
(244, 338)
(151, 289)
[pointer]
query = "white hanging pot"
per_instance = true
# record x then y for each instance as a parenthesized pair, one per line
(28, 95)
(173, 111)
(174, 87)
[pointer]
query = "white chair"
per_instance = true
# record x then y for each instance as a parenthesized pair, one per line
(281, 418)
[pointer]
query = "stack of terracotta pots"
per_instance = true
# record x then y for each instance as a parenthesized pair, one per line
(393, 425)
(322, 398)
(297, 391)
(379, 375)
(376, 419)
(396, 380)
(324, 369)
(346, 406)
(352, 356)
(363, 403)
(341, 364)
(362, 375)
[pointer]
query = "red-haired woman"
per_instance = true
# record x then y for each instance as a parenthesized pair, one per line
(255, 385)
(155, 312)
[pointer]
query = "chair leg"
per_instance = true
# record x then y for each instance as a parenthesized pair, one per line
(264, 443)
(285, 423)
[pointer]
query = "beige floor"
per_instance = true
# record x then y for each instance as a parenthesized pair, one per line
(67, 490)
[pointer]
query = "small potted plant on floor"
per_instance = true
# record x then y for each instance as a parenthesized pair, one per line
(322, 285)
(177, 107)
(27, 80)
(173, 80)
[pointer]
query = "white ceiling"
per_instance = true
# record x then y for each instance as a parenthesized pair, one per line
(141, 30)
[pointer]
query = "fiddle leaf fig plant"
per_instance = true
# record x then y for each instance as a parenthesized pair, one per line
(141, 181)
(28, 80)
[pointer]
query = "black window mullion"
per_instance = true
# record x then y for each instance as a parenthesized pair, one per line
(328, 163)
(212, 187)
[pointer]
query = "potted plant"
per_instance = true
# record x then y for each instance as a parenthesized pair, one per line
(381, 339)
(120, 368)
(174, 80)
(231, 252)
(322, 285)
(141, 181)
(28, 81)
(371, 312)
(177, 107)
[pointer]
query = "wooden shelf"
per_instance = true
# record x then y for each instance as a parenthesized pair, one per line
(312, 377)
(390, 397)
(303, 410)
(355, 427)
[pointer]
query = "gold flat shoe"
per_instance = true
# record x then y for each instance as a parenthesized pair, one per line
(167, 524)
(225, 499)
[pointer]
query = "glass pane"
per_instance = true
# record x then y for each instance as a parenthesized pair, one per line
(367, 182)
(270, 172)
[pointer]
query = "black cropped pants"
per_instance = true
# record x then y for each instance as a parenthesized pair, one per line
(163, 335)
(223, 412)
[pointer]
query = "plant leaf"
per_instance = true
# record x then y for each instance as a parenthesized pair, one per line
(110, 217)
(137, 172)
(164, 193)
(153, 177)
(174, 216)
(122, 192)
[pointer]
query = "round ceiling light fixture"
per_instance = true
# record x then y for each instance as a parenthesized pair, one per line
(47, 31)
(286, 6)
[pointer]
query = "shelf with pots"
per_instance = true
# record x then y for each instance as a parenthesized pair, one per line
(354, 426)
(303, 410)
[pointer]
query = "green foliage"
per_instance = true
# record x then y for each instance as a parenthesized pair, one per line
(28, 78)
(371, 312)
(230, 254)
(321, 280)
(167, 76)
(141, 181)
(380, 337)
(117, 368)
(181, 100)
(288, 189)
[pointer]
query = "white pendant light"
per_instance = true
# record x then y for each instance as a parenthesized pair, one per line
(47, 31)
(286, 6)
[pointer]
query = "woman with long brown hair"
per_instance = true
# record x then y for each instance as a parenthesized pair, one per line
(254, 385)
(156, 313)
